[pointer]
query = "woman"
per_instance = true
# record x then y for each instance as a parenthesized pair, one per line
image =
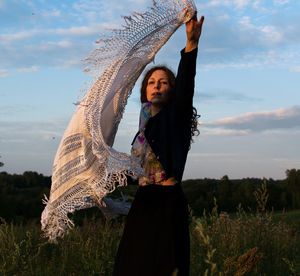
(156, 235)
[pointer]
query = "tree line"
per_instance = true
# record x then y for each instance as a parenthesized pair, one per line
(232, 193)
(21, 194)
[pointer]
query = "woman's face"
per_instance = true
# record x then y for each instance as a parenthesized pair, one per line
(158, 87)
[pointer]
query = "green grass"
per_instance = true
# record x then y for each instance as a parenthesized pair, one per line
(253, 243)
(219, 246)
(258, 243)
(86, 250)
(291, 217)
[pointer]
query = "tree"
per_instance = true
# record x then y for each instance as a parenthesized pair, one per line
(225, 194)
(293, 187)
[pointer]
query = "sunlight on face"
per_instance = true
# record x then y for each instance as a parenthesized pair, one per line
(158, 87)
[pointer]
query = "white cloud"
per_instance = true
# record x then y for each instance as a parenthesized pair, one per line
(215, 95)
(265, 34)
(224, 132)
(239, 4)
(51, 13)
(72, 31)
(50, 45)
(79, 31)
(3, 73)
(271, 35)
(2, 4)
(231, 38)
(285, 118)
(30, 145)
(9, 111)
(247, 39)
(246, 24)
(13, 37)
(31, 130)
(271, 59)
(68, 63)
(281, 2)
(295, 69)
(30, 69)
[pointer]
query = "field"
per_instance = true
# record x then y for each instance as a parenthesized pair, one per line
(244, 243)
(249, 244)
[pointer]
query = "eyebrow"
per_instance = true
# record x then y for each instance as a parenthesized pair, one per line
(158, 79)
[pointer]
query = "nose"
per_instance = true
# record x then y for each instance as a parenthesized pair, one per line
(157, 84)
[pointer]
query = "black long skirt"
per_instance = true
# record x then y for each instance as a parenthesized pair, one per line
(156, 238)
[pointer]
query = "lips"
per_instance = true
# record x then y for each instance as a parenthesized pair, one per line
(156, 94)
(158, 97)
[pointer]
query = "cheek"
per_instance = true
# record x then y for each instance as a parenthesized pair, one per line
(167, 89)
(148, 94)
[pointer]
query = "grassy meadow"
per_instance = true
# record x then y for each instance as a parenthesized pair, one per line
(244, 243)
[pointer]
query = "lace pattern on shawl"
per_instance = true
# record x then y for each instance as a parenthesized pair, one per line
(86, 167)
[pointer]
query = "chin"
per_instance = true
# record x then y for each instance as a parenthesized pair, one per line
(158, 101)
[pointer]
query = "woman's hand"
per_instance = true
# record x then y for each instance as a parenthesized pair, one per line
(193, 33)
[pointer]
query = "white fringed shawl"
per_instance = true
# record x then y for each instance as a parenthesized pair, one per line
(86, 167)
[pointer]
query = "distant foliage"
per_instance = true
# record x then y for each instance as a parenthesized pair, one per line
(293, 188)
(283, 194)
(21, 195)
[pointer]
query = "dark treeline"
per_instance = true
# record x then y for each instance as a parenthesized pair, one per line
(21, 195)
(230, 194)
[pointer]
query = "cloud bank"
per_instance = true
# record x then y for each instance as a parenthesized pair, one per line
(238, 33)
(254, 122)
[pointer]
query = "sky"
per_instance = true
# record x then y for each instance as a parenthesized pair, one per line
(247, 85)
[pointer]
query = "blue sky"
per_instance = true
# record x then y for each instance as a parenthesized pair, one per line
(247, 84)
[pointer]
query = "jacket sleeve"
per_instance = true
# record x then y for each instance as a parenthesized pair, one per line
(185, 81)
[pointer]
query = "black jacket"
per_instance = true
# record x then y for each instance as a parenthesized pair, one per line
(169, 131)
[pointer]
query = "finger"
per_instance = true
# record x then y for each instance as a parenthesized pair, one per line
(201, 20)
(194, 16)
(185, 11)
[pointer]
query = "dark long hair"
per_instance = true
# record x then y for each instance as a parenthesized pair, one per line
(172, 81)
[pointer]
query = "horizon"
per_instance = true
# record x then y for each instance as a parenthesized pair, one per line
(187, 179)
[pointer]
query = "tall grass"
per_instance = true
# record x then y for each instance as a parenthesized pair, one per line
(245, 244)
(88, 250)
(221, 244)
